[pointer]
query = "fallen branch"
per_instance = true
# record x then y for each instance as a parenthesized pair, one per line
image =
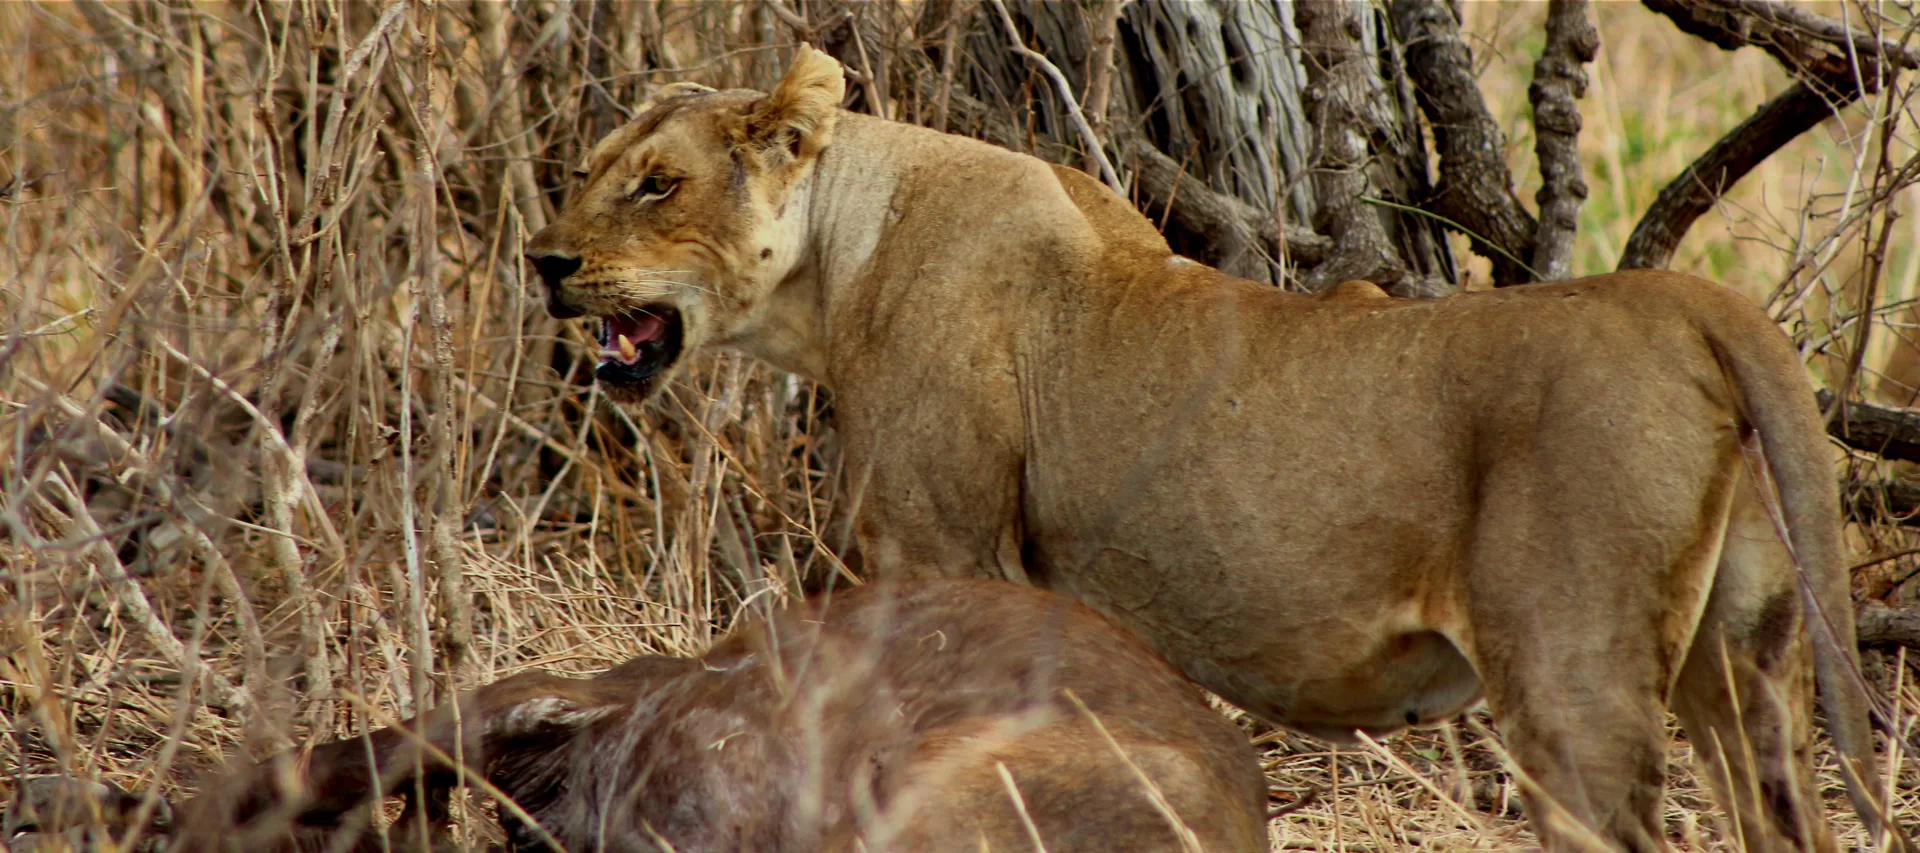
(79, 527)
(1230, 225)
(149, 476)
(1475, 189)
(1795, 111)
(1884, 431)
(1094, 147)
(1877, 624)
(1559, 79)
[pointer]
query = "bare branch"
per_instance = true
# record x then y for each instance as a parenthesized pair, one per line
(1065, 89)
(1809, 45)
(1234, 226)
(1795, 111)
(959, 19)
(1106, 25)
(802, 30)
(1836, 66)
(1558, 80)
(1336, 90)
(1475, 189)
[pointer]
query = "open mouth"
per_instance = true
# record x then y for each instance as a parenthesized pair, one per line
(637, 346)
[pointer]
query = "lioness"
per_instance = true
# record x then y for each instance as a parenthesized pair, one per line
(902, 717)
(1342, 512)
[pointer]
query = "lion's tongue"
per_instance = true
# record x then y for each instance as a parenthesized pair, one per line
(625, 333)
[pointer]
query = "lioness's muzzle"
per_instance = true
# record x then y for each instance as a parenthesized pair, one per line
(554, 269)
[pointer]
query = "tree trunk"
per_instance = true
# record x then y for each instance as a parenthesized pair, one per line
(1207, 102)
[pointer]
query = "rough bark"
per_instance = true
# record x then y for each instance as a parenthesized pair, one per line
(1209, 89)
(1559, 78)
(1239, 231)
(1237, 234)
(1336, 90)
(1795, 111)
(1216, 87)
(1474, 189)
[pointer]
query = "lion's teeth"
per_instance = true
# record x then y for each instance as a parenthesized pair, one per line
(628, 352)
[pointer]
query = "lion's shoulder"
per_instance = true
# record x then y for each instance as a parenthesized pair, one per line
(1117, 223)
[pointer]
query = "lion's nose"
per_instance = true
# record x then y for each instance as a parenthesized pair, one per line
(554, 268)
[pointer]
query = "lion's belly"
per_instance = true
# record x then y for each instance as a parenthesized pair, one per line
(1323, 652)
(1325, 677)
(1406, 679)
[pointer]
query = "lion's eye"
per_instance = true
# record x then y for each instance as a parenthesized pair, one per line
(654, 186)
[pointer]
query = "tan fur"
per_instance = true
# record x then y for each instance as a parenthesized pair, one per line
(1339, 512)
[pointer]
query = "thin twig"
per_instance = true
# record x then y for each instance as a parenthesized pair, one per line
(1065, 91)
(79, 526)
(1104, 24)
(958, 25)
(1188, 840)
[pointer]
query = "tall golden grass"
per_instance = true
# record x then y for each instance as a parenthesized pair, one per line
(288, 435)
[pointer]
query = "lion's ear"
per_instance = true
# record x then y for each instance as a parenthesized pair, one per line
(800, 113)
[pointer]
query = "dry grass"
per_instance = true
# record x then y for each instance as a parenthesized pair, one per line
(269, 352)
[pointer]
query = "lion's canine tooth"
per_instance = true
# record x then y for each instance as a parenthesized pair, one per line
(628, 353)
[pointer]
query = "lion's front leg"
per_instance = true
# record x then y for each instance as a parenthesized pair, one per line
(933, 490)
(941, 511)
(901, 541)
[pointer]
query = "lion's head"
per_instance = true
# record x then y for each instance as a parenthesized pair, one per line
(680, 228)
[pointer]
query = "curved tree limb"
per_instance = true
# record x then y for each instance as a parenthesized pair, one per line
(1809, 45)
(1336, 89)
(1559, 78)
(1475, 189)
(1836, 65)
(1795, 111)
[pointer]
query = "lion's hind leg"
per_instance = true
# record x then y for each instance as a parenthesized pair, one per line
(1581, 614)
(1745, 693)
(1580, 711)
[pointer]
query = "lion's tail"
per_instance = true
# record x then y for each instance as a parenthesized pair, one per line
(1776, 403)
